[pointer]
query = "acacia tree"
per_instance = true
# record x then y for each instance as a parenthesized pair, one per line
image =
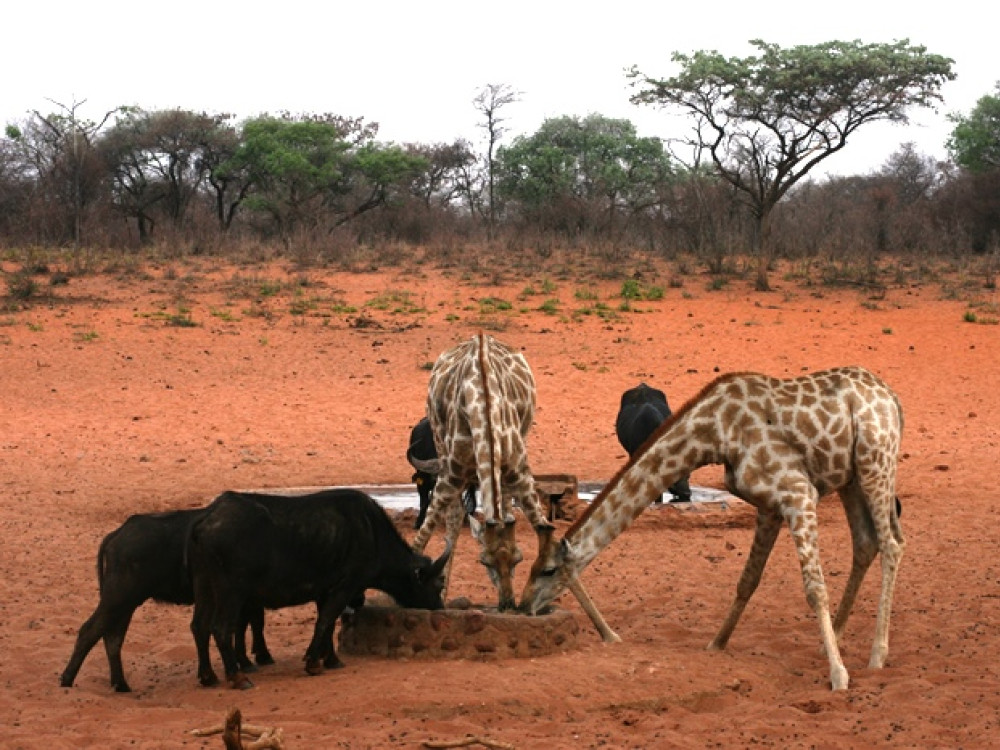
(766, 120)
(573, 168)
(975, 141)
(442, 182)
(973, 194)
(160, 157)
(306, 171)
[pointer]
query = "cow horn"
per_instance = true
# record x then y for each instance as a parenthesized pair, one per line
(438, 566)
(431, 465)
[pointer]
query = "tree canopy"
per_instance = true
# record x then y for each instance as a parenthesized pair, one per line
(296, 164)
(598, 163)
(975, 141)
(767, 119)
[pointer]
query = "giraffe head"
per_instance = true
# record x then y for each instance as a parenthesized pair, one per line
(499, 554)
(551, 572)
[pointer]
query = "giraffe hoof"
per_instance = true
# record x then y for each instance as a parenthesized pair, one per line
(838, 678)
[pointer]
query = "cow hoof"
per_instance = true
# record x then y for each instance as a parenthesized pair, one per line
(122, 687)
(264, 660)
(65, 682)
(240, 681)
(314, 667)
(333, 662)
(209, 679)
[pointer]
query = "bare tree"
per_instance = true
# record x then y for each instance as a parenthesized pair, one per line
(73, 140)
(488, 102)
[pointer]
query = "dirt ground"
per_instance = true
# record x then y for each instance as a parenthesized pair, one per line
(158, 387)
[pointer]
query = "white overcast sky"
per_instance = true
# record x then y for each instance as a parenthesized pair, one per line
(414, 67)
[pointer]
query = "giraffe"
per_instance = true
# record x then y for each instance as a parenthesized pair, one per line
(481, 403)
(784, 444)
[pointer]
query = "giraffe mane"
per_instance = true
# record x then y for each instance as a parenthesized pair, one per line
(488, 398)
(644, 448)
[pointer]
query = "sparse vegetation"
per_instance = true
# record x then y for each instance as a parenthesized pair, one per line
(22, 286)
(550, 306)
(395, 302)
(490, 305)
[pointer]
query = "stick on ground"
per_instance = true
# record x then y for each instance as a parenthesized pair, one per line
(233, 730)
(467, 741)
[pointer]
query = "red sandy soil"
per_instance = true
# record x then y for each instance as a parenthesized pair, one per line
(107, 409)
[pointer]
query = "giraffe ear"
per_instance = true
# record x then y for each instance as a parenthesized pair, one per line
(565, 551)
(544, 538)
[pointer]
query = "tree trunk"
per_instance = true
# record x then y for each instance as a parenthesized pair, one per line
(765, 250)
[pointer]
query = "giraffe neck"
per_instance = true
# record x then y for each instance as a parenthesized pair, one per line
(668, 456)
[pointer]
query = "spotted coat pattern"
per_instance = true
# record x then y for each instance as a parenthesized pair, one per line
(481, 403)
(784, 444)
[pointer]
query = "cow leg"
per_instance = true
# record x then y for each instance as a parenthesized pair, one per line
(90, 632)
(114, 638)
(258, 645)
(109, 621)
(253, 617)
(227, 618)
(240, 647)
(201, 630)
(320, 652)
(425, 486)
(681, 490)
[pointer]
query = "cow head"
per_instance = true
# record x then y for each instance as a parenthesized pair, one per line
(500, 554)
(551, 572)
(428, 579)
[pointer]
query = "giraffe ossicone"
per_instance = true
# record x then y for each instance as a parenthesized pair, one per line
(784, 444)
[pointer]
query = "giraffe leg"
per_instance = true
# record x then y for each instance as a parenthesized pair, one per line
(446, 503)
(864, 548)
(521, 485)
(524, 490)
(607, 634)
(891, 545)
(768, 526)
(454, 514)
(892, 552)
(801, 518)
(435, 512)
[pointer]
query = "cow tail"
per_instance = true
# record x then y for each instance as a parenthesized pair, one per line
(102, 562)
(490, 488)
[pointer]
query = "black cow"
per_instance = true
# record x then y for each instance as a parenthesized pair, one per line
(142, 559)
(642, 410)
(280, 551)
(422, 456)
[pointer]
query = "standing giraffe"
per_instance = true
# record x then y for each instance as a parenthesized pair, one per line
(784, 444)
(481, 403)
